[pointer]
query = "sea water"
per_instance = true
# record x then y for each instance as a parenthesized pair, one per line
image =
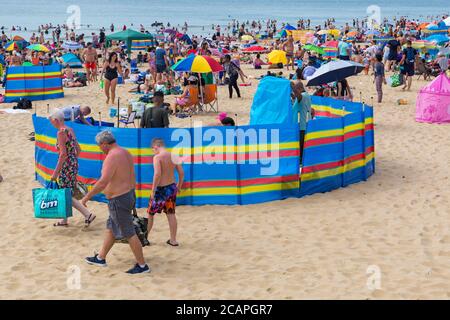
(202, 14)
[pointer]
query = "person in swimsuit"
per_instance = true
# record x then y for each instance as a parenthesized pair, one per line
(288, 46)
(152, 63)
(66, 170)
(111, 70)
(164, 191)
(90, 62)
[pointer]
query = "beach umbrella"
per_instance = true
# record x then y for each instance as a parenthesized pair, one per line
(71, 45)
(38, 47)
(423, 44)
(332, 32)
(335, 71)
(332, 43)
(289, 27)
(197, 64)
(13, 46)
(254, 49)
(277, 56)
(247, 37)
(314, 48)
(447, 21)
(372, 33)
(423, 25)
(352, 34)
(18, 38)
(438, 38)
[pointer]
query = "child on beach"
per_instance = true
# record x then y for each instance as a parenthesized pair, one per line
(379, 76)
(258, 62)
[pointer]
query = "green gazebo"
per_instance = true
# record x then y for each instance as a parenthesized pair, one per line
(128, 36)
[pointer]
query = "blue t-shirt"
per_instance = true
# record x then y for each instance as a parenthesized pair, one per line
(159, 57)
(303, 108)
(344, 48)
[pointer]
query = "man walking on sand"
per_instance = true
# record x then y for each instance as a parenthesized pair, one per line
(164, 191)
(90, 59)
(117, 183)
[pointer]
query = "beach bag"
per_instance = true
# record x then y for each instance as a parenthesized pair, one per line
(141, 228)
(395, 80)
(23, 104)
(80, 190)
(52, 202)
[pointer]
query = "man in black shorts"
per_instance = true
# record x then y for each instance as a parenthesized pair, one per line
(393, 46)
(117, 183)
(407, 64)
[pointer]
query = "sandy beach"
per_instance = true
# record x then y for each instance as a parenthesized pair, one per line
(318, 247)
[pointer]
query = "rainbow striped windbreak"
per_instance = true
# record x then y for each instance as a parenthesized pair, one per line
(339, 146)
(229, 166)
(34, 83)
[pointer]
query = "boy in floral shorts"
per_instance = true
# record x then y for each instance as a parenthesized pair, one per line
(164, 191)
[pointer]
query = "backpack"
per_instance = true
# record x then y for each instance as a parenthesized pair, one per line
(24, 104)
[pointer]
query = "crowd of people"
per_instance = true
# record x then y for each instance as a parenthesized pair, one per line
(117, 180)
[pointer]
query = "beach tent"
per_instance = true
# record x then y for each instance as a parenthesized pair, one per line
(272, 102)
(128, 36)
(72, 60)
(33, 83)
(433, 101)
(447, 22)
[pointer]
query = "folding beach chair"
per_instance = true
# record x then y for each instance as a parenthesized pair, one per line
(210, 102)
(129, 120)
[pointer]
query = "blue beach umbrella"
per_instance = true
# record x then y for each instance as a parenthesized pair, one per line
(334, 71)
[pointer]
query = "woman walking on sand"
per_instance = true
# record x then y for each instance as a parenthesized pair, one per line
(111, 70)
(66, 170)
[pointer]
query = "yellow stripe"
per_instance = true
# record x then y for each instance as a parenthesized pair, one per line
(330, 109)
(32, 93)
(182, 151)
(336, 171)
(228, 191)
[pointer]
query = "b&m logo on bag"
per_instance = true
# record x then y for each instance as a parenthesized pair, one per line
(48, 204)
(52, 203)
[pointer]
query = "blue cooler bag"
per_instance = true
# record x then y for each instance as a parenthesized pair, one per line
(52, 203)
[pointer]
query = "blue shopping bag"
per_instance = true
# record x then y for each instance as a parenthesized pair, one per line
(52, 203)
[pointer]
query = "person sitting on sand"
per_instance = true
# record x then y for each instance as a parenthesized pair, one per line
(258, 62)
(66, 171)
(164, 188)
(145, 87)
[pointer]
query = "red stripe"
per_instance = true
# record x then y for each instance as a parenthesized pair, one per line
(34, 78)
(198, 184)
(321, 141)
(327, 114)
(32, 90)
(336, 164)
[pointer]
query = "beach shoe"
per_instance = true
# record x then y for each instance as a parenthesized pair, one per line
(96, 261)
(137, 269)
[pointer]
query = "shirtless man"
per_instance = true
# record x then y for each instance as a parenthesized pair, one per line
(117, 183)
(90, 58)
(288, 46)
(164, 192)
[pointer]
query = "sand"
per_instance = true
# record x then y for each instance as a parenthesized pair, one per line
(320, 246)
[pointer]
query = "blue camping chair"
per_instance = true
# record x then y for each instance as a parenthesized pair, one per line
(134, 67)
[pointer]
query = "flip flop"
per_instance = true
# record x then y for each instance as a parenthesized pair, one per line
(88, 221)
(173, 245)
(60, 224)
